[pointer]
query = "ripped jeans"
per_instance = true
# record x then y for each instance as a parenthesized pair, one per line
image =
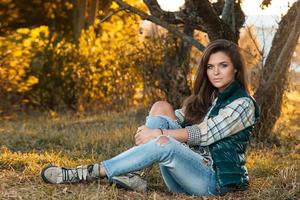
(183, 170)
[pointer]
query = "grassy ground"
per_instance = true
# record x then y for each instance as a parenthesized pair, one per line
(27, 143)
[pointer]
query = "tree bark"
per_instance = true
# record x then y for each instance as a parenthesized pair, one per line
(269, 93)
(93, 8)
(78, 17)
(175, 69)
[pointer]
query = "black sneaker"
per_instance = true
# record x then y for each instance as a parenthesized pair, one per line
(56, 175)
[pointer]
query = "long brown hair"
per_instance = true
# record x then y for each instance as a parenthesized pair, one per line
(196, 106)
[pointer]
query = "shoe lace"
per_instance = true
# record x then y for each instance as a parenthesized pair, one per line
(70, 175)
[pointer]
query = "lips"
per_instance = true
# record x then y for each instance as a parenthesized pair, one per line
(217, 79)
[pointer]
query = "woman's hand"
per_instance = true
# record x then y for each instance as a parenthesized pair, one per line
(144, 134)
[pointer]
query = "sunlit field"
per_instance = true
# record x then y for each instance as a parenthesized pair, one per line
(29, 142)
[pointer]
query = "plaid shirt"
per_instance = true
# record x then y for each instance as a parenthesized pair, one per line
(231, 119)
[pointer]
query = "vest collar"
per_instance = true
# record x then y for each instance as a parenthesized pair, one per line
(229, 90)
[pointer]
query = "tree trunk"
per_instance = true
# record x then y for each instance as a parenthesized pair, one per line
(93, 8)
(78, 17)
(175, 69)
(273, 80)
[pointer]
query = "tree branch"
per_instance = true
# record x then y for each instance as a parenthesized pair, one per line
(227, 12)
(110, 14)
(233, 16)
(202, 12)
(218, 6)
(163, 24)
(248, 29)
(169, 17)
(265, 3)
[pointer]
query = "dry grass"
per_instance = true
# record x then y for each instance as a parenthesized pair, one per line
(29, 143)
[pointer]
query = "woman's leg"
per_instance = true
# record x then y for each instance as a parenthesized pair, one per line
(144, 155)
(162, 108)
(162, 116)
(169, 180)
(186, 167)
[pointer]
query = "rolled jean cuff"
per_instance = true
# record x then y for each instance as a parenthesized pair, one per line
(108, 173)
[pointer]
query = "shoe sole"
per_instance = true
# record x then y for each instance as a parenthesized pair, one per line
(43, 172)
(121, 184)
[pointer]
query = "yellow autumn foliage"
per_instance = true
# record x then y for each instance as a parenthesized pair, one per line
(49, 70)
(17, 51)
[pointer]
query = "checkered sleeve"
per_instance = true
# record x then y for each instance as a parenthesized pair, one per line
(179, 116)
(233, 118)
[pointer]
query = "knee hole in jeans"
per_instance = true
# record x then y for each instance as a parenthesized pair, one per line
(162, 108)
(163, 140)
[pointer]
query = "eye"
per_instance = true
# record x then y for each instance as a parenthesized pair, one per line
(209, 67)
(224, 65)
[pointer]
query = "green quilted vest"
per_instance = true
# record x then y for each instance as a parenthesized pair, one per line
(228, 154)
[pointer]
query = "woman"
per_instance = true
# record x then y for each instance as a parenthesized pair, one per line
(200, 148)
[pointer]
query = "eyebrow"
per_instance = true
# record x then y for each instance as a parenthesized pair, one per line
(223, 62)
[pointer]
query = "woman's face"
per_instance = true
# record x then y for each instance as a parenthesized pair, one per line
(220, 70)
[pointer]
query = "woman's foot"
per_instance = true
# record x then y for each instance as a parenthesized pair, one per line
(130, 181)
(60, 175)
(56, 175)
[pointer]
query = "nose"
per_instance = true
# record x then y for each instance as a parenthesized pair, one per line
(216, 70)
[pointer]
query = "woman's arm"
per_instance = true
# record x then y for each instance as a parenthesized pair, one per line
(235, 117)
(231, 119)
(179, 134)
(144, 134)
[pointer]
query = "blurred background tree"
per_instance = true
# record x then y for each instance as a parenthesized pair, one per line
(53, 64)
(91, 54)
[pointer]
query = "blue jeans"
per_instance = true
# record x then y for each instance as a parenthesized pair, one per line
(183, 170)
